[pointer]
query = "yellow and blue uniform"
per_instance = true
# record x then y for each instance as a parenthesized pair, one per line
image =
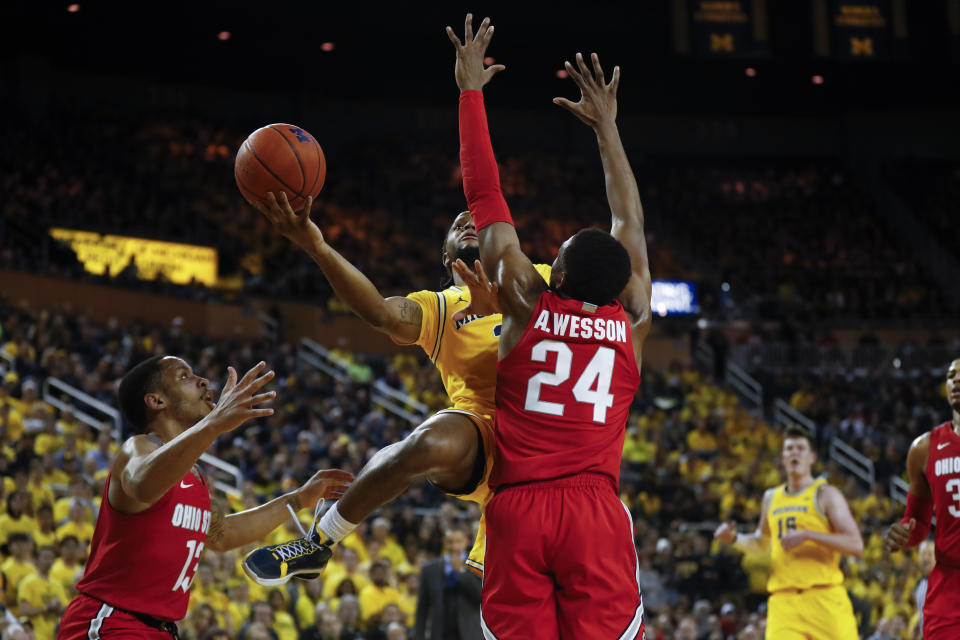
(807, 596)
(465, 353)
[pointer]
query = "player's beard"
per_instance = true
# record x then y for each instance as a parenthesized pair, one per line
(469, 254)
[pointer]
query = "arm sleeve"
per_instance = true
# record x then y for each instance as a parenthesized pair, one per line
(481, 179)
(922, 510)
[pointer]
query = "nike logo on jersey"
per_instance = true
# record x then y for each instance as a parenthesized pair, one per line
(942, 445)
(185, 486)
(460, 299)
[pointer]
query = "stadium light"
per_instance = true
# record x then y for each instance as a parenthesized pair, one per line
(224, 35)
(73, 8)
(488, 61)
(561, 73)
(817, 79)
(327, 46)
(751, 72)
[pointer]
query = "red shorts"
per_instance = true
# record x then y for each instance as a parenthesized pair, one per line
(87, 618)
(561, 563)
(941, 618)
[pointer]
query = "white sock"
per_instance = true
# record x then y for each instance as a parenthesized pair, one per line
(334, 527)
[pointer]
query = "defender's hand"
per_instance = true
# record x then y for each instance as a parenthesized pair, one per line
(297, 227)
(484, 299)
(238, 399)
(726, 532)
(793, 539)
(470, 72)
(898, 535)
(598, 98)
(329, 485)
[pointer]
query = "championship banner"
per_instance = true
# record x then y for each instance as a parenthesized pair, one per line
(718, 28)
(860, 29)
(109, 254)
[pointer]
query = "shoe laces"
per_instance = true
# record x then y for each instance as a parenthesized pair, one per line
(307, 537)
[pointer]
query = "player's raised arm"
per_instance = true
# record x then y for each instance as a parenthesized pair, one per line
(757, 541)
(397, 316)
(520, 284)
(146, 472)
(915, 526)
(597, 108)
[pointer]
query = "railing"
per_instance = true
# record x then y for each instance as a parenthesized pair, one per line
(785, 415)
(84, 404)
(268, 326)
(899, 489)
(854, 461)
(393, 400)
(704, 354)
(747, 386)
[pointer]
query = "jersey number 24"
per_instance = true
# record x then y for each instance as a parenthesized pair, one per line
(592, 387)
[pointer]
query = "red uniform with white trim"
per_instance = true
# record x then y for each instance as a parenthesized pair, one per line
(941, 618)
(142, 563)
(561, 561)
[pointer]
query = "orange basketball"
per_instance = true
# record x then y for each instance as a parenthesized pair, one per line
(280, 157)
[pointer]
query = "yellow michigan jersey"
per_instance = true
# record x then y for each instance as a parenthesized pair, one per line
(807, 597)
(465, 353)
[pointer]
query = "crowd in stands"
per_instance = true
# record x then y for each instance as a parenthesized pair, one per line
(693, 457)
(792, 239)
(932, 191)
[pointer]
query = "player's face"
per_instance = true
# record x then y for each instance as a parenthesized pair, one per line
(188, 395)
(462, 233)
(953, 385)
(797, 457)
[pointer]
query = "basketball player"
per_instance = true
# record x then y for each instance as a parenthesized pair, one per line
(156, 518)
(807, 525)
(561, 561)
(933, 466)
(458, 328)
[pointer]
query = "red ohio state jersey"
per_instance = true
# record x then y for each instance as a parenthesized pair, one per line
(564, 392)
(145, 562)
(943, 474)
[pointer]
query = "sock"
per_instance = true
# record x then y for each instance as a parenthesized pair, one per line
(333, 527)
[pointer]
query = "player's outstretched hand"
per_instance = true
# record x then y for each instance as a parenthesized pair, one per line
(898, 535)
(726, 532)
(329, 484)
(238, 400)
(598, 98)
(297, 227)
(484, 300)
(471, 72)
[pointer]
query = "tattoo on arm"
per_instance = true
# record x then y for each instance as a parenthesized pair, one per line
(410, 313)
(217, 526)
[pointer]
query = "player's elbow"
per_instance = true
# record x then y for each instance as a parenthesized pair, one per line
(857, 549)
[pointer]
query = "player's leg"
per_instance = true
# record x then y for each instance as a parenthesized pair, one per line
(595, 563)
(518, 597)
(444, 450)
(786, 617)
(941, 618)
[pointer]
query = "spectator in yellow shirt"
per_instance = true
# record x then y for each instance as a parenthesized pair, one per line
(48, 440)
(40, 598)
(77, 524)
(350, 571)
(40, 491)
(378, 594)
(78, 489)
(68, 568)
(19, 516)
(45, 534)
(17, 567)
(701, 441)
(389, 549)
(283, 622)
(306, 605)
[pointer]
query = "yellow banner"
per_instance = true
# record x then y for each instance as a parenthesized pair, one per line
(177, 263)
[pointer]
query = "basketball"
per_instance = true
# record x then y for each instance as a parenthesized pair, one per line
(280, 157)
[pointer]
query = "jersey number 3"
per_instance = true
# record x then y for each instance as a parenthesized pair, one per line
(593, 386)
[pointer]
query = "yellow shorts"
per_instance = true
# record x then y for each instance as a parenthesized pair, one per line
(820, 613)
(481, 494)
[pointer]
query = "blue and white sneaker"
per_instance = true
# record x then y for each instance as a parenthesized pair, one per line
(304, 557)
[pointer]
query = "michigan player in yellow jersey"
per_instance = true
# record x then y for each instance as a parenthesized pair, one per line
(807, 526)
(458, 329)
